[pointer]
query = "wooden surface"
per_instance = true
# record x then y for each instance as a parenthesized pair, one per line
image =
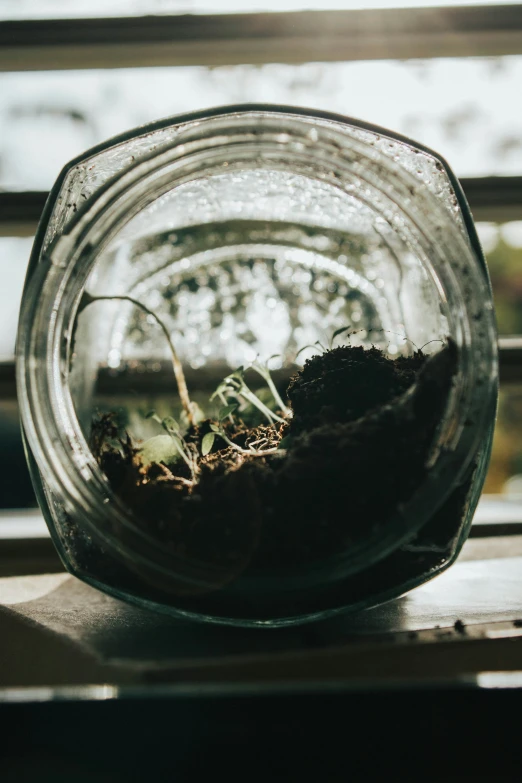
(58, 631)
(95, 690)
(82, 636)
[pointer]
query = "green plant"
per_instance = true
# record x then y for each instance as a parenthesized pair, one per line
(235, 384)
(190, 408)
(264, 372)
(162, 449)
(320, 345)
(169, 448)
(219, 432)
(342, 329)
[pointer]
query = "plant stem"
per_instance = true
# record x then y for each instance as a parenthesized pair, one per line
(241, 389)
(251, 397)
(276, 396)
(265, 374)
(169, 475)
(176, 363)
(254, 452)
(182, 454)
(225, 403)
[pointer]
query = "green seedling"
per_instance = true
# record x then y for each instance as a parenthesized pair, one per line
(235, 384)
(169, 448)
(314, 347)
(189, 407)
(185, 450)
(227, 411)
(219, 432)
(318, 344)
(264, 372)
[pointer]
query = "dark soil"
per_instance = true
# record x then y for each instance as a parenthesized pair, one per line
(355, 451)
(346, 383)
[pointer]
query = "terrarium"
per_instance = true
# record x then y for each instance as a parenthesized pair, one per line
(257, 365)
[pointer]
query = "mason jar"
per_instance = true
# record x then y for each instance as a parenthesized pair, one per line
(224, 236)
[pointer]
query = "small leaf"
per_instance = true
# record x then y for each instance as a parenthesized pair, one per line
(237, 375)
(170, 424)
(215, 428)
(285, 442)
(177, 437)
(221, 389)
(339, 331)
(161, 448)
(304, 349)
(227, 410)
(150, 415)
(207, 443)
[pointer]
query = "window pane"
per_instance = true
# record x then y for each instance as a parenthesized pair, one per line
(505, 471)
(14, 255)
(503, 247)
(466, 109)
(49, 9)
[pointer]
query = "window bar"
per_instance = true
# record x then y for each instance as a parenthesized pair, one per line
(285, 37)
(495, 199)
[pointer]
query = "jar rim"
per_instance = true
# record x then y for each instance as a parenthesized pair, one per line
(243, 108)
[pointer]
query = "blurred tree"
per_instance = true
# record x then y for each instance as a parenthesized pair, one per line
(505, 266)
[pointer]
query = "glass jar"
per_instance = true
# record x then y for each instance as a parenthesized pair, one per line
(219, 237)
